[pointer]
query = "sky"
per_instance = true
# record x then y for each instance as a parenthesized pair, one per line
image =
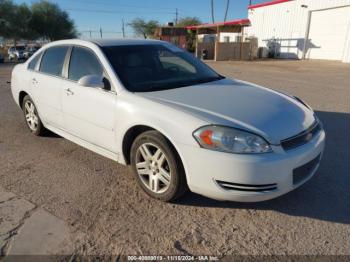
(108, 14)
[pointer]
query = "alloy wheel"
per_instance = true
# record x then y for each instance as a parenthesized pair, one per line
(31, 115)
(153, 168)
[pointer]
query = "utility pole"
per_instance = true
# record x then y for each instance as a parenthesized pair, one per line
(227, 6)
(123, 28)
(101, 32)
(176, 16)
(90, 32)
(212, 11)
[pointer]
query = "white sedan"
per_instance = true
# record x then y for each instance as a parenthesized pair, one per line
(178, 123)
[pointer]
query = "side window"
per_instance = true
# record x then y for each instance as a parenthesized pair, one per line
(83, 62)
(53, 59)
(32, 64)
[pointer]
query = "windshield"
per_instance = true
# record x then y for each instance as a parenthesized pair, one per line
(146, 68)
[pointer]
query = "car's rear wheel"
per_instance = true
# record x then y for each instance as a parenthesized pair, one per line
(157, 167)
(32, 117)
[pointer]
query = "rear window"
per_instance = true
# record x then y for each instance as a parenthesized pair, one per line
(53, 59)
(32, 64)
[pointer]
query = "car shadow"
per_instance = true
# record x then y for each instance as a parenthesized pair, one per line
(51, 134)
(326, 196)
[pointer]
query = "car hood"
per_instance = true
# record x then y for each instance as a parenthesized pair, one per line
(239, 104)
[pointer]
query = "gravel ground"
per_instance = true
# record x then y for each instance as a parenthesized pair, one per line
(100, 200)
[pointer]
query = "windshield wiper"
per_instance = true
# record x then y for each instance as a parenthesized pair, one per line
(209, 79)
(172, 85)
(221, 77)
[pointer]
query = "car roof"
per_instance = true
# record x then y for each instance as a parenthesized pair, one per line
(116, 42)
(106, 42)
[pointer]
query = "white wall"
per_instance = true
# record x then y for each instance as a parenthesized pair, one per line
(328, 33)
(285, 25)
(232, 36)
(211, 37)
(206, 38)
(346, 56)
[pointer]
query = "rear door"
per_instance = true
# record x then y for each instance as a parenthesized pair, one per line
(89, 113)
(47, 85)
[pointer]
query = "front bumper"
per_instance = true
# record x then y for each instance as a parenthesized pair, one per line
(250, 178)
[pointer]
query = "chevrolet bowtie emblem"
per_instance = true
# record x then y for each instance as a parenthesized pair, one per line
(308, 137)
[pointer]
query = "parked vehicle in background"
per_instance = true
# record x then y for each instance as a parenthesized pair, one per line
(178, 123)
(29, 51)
(16, 52)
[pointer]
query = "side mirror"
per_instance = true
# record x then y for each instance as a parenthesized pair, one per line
(92, 81)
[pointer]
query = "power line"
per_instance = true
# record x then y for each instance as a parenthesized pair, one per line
(98, 31)
(112, 11)
(118, 11)
(113, 4)
(104, 32)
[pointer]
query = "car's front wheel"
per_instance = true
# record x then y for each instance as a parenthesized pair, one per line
(32, 117)
(157, 167)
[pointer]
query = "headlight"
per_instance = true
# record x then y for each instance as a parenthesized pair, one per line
(230, 140)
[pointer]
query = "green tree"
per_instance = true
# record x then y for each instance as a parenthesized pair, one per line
(51, 22)
(43, 19)
(14, 21)
(191, 35)
(23, 18)
(7, 11)
(186, 21)
(5, 8)
(144, 28)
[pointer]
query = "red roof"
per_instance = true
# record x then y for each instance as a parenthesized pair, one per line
(242, 22)
(268, 3)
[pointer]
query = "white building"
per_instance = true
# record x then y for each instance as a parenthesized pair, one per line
(311, 29)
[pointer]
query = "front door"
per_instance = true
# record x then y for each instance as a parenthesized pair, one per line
(89, 113)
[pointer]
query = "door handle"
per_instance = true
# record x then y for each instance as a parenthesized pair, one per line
(34, 81)
(69, 92)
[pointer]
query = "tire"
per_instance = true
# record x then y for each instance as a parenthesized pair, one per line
(153, 158)
(31, 117)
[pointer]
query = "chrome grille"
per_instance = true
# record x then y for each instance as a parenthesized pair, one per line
(302, 138)
(246, 187)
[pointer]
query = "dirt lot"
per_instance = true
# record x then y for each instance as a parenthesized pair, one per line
(108, 214)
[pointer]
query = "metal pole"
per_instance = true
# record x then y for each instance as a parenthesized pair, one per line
(176, 16)
(227, 6)
(212, 11)
(306, 38)
(90, 32)
(197, 51)
(123, 28)
(101, 32)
